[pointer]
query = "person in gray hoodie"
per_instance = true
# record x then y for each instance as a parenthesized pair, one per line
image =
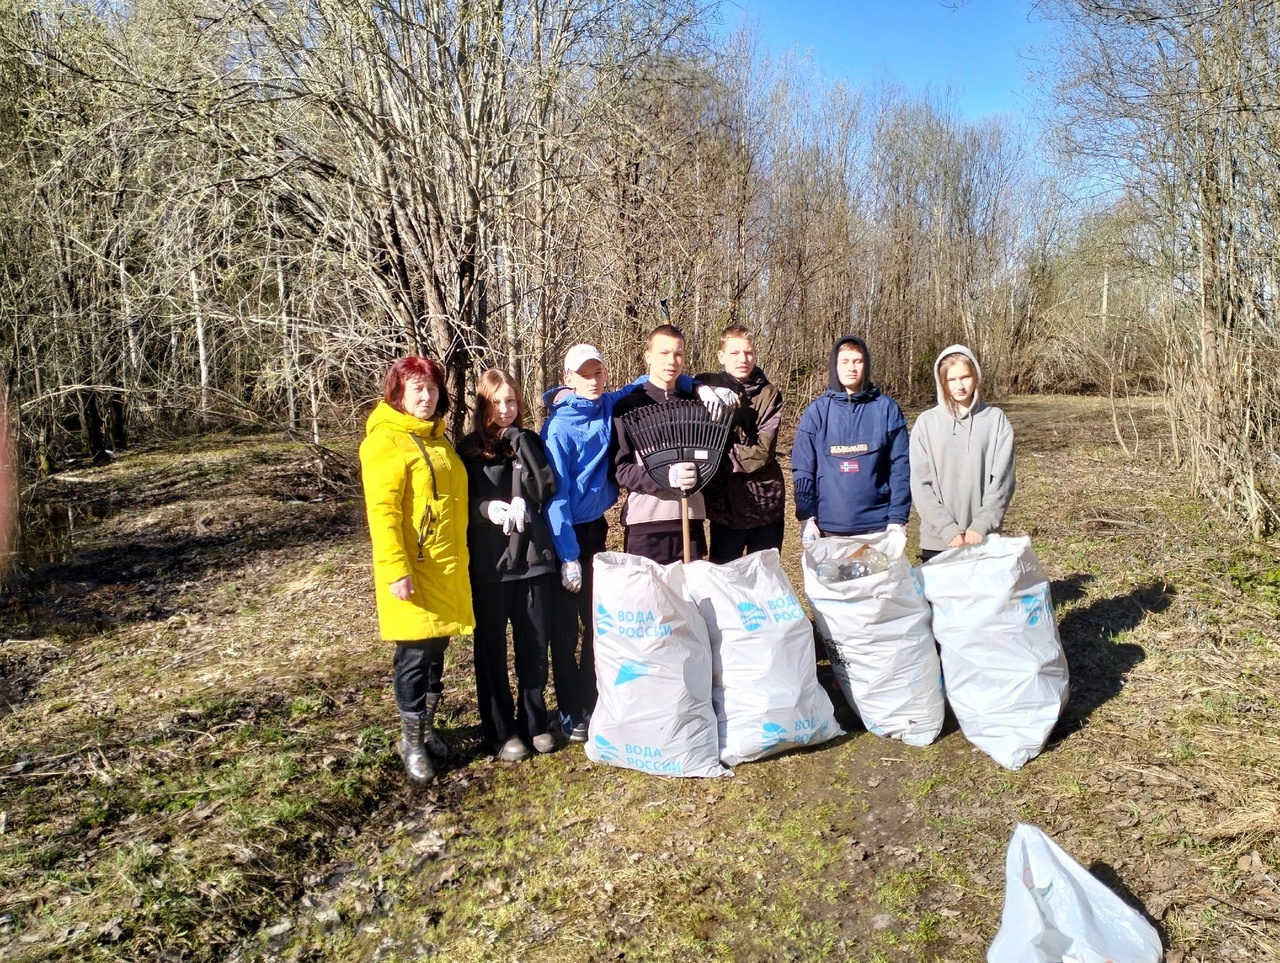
(962, 476)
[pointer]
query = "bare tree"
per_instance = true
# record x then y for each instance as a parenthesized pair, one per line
(1175, 100)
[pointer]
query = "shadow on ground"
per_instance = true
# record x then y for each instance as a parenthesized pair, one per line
(1105, 874)
(122, 548)
(1069, 589)
(144, 578)
(1099, 664)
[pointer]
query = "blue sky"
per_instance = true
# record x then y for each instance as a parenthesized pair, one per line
(982, 48)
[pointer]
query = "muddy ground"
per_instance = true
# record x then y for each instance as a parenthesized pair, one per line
(196, 747)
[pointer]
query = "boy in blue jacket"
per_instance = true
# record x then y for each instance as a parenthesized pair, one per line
(851, 460)
(576, 436)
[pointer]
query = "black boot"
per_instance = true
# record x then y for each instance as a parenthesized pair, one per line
(416, 764)
(435, 745)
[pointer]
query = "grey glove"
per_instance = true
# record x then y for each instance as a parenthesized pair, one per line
(710, 396)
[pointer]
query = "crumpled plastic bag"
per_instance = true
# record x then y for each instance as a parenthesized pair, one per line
(876, 631)
(653, 671)
(1005, 671)
(1056, 912)
(764, 681)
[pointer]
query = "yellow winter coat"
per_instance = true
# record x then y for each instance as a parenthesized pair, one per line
(416, 500)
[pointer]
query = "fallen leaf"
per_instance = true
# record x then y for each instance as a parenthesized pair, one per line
(111, 930)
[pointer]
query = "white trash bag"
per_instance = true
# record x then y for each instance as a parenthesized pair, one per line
(876, 630)
(764, 678)
(653, 672)
(1056, 912)
(1006, 673)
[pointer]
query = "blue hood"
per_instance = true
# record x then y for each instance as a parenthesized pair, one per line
(561, 402)
(576, 435)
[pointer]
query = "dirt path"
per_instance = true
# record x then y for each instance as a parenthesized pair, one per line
(196, 751)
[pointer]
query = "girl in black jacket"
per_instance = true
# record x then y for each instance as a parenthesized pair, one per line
(513, 564)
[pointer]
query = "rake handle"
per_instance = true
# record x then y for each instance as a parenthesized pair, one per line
(684, 528)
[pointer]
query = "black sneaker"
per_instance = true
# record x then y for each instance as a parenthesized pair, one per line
(578, 732)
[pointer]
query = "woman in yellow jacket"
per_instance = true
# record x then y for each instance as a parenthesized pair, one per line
(415, 493)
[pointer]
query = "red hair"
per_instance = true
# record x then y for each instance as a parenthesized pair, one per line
(412, 368)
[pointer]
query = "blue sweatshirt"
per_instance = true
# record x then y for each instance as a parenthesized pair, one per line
(851, 460)
(576, 437)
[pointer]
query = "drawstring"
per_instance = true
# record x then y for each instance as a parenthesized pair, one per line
(426, 525)
(955, 426)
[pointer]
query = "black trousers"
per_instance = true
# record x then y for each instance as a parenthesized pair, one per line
(573, 669)
(663, 543)
(928, 554)
(418, 668)
(728, 544)
(526, 605)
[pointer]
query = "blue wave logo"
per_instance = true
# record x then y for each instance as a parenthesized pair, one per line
(606, 750)
(915, 581)
(752, 616)
(604, 621)
(1033, 608)
(630, 671)
(773, 734)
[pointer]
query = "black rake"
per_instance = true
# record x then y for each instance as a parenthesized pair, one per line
(681, 430)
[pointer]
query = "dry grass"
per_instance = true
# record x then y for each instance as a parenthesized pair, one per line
(198, 760)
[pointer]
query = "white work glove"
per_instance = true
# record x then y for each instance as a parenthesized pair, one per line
(809, 532)
(498, 511)
(517, 515)
(710, 396)
(683, 476)
(895, 527)
(571, 576)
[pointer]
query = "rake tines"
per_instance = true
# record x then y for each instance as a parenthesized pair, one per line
(678, 431)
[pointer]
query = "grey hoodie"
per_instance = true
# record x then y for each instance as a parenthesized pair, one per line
(961, 467)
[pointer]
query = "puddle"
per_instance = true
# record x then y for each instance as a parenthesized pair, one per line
(51, 532)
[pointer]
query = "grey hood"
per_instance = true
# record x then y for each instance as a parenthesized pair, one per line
(937, 375)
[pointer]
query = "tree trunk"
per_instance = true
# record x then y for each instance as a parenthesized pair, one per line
(91, 432)
(201, 347)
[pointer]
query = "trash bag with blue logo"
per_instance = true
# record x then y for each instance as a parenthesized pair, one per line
(764, 680)
(1003, 662)
(1054, 910)
(653, 672)
(877, 634)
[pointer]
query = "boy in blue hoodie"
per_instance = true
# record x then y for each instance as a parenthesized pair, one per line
(851, 460)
